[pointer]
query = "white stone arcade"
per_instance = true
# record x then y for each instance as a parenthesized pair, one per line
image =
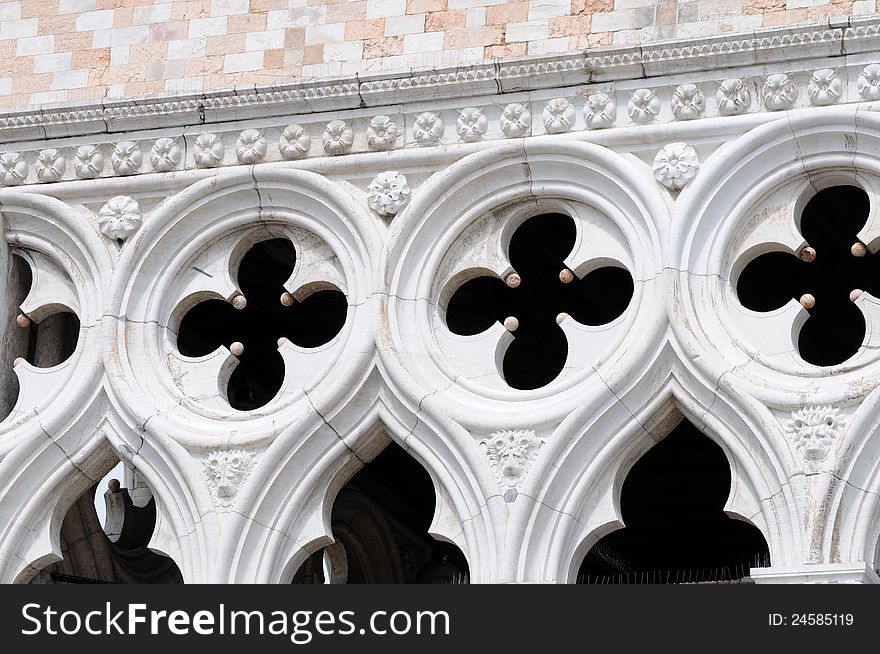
(681, 184)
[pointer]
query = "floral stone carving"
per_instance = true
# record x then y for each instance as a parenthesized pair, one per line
(51, 165)
(388, 193)
(88, 162)
(126, 158)
(338, 137)
(428, 128)
(600, 111)
(208, 150)
(688, 102)
(294, 142)
(13, 168)
(733, 97)
(516, 120)
(559, 116)
(813, 431)
(643, 107)
(120, 217)
(824, 87)
(471, 124)
(511, 453)
(250, 147)
(675, 165)
(869, 82)
(226, 471)
(382, 133)
(165, 155)
(778, 92)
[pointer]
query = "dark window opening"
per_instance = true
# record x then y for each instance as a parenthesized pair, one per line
(537, 252)
(381, 518)
(89, 555)
(676, 530)
(836, 327)
(263, 321)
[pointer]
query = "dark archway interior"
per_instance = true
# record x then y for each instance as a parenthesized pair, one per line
(537, 252)
(676, 530)
(381, 518)
(89, 556)
(261, 275)
(830, 224)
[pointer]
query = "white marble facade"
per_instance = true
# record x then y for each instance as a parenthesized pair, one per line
(677, 162)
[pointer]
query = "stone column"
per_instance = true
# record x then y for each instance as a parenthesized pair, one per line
(52, 339)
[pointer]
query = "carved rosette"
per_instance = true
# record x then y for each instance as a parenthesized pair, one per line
(511, 453)
(733, 97)
(688, 102)
(428, 128)
(824, 88)
(250, 147)
(208, 150)
(778, 92)
(51, 165)
(120, 217)
(165, 155)
(226, 471)
(382, 133)
(13, 168)
(643, 107)
(814, 431)
(471, 125)
(516, 120)
(676, 165)
(600, 111)
(126, 158)
(869, 82)
(338, 137)
(88, 162)
(294, 142)
(388, 193)
(559, 116)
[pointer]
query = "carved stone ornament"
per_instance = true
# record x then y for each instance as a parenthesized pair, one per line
(250, 147)
(813, 431)
(643, 107)
(126, 158)
(428, 128)
(688, 102)
(13, 168)
(511, 453)
(120, 217)
(778, 92)
(516, 120)
(382, 133)
(294, 142)
(600, 111)
(88, 162)
(208, 150)
(51, 165)
(226, 471)
(165, 155)
(869, 82)
(675, 165)
(471, 125)
(388, 193)
(733, 97)
(559, 116)
(824, 88)
(338, 137)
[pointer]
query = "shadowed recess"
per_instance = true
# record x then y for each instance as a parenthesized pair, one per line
(676, 529)
(836, 327)
(537, 252)
(381, 519)
(260, 371)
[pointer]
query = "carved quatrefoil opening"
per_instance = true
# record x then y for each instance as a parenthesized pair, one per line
(835, 328)
(676, 529)
(309, 323)
(539, 348)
